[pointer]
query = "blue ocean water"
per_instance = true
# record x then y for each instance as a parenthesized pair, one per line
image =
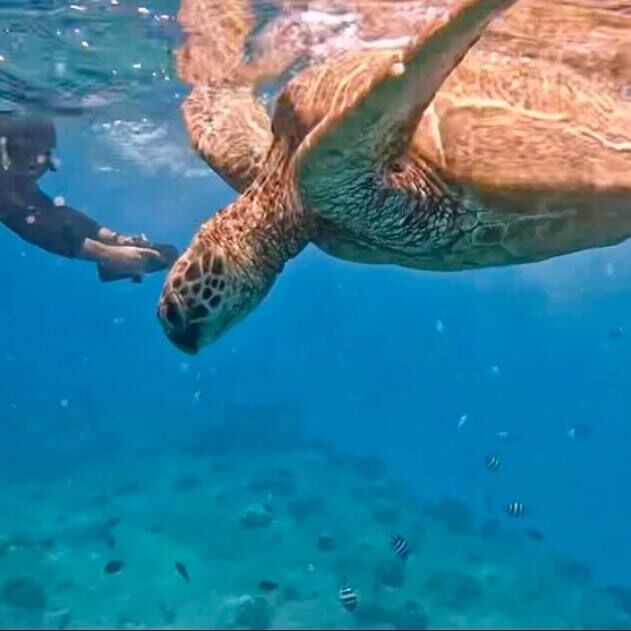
(426, 372)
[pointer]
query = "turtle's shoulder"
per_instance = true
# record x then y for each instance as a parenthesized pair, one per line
(504, 122)
(326, 89)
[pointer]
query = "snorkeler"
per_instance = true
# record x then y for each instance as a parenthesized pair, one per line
(26, 146)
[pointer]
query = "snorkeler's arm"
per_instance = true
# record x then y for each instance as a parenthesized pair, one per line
(67, 232)
(58, 229)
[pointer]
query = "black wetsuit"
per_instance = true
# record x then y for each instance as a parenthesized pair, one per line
(25, 155)
(37, 219)
(26, 144)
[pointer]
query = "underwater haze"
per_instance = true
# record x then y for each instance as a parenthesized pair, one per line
(244, 486)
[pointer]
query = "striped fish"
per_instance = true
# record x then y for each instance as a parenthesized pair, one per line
(492, 462)
(348, 597)
(400, 546)
(516, 509)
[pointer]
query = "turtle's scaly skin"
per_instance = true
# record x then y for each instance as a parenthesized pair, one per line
(407, 156)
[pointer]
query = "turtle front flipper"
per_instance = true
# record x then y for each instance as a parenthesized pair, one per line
(230, 129)
(226, 122)
(380, 97)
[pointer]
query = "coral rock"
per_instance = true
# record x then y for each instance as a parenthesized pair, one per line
(385, 512)
(186, 482)
(458, 589)
(24, 592)
(278, 482)
(290, 593)
(253, 613)
(453, 513)
(300, 509)
(370, 468)
(256, 516)
(390, 573)
(326, 543)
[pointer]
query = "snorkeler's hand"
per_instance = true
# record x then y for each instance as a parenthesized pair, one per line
(129, 259)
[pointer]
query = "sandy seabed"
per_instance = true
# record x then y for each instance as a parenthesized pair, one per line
(264, 538)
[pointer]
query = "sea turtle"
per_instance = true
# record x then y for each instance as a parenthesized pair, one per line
(499, 135)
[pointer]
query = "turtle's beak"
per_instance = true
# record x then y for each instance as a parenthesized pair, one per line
(187, 340)
(183, 335)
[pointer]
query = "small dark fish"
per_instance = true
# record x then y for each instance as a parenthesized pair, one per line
(348, 598)
(182, 571)
(47, 543)
(110, 523)
(268, 586)
(492, 462)
(400, 546)
(516, 509)
(535, 534)
(110, 540)
(113, 567)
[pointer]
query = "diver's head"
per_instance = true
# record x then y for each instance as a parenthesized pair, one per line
(26, 145)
